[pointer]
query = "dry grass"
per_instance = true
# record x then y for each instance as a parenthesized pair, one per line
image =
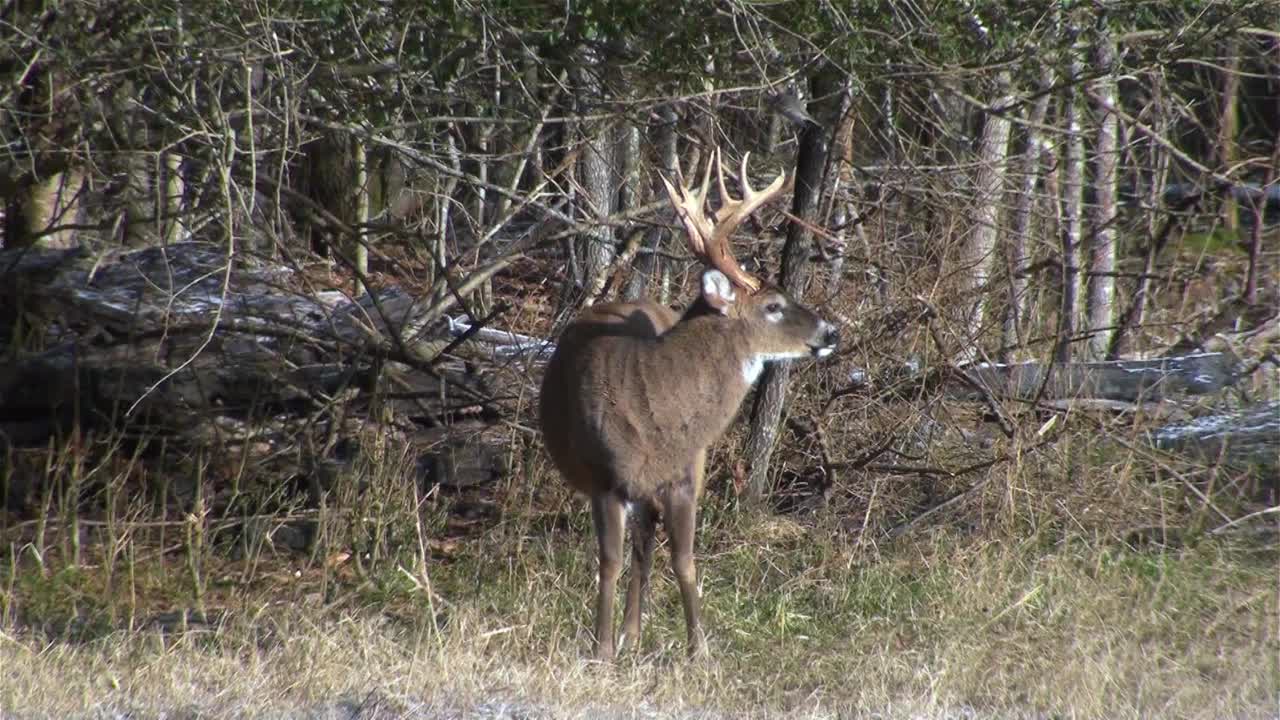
(804, 625)
(1027, 599)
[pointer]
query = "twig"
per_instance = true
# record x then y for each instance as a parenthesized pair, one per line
(621, 261)
(471, 331)
(1244, 518)
(1006, 426)
(900, 529)
(864, 460)
(225, 174)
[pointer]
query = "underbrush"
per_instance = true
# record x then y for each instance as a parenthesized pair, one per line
(1074, 581)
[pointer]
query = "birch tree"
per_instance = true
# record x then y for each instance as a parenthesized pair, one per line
(1072, 185)
(1102, 240)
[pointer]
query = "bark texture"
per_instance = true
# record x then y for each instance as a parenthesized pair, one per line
(771, 392)
(1100, 313)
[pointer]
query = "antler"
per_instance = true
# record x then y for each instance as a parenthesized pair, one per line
(689, 206)
(710, 240)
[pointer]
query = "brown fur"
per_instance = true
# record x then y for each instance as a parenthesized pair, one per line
(632, 398)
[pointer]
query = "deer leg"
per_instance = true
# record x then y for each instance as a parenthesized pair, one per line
(681, 520)
(607, 513)
(644, 534)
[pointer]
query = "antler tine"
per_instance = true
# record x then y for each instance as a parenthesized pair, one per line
(708, 238)
(690, 206)
(733, 212)
(724, 191)
(730, 215)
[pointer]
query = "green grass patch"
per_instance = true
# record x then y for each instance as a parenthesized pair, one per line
(1217, 241)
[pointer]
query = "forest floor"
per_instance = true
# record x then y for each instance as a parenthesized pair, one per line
(805, 618)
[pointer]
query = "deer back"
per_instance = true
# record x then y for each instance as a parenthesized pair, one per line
(634, 393)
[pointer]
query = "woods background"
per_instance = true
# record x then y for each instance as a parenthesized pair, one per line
(253, 252)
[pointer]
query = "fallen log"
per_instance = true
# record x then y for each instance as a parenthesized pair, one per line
(1247, 437)
(1130, 381)
(504, 343)
(185, 344)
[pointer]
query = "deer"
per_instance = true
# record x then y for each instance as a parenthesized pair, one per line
(635, 393)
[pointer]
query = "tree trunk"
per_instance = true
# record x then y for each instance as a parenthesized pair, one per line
(1015, 331)
(487, 150)
(1158, 228)
(480, 217)
(630, 194)
(37, 209)
(772, 391)
(329, 170)
(359, 249)
(45, 194)
(596, 246)
(837, 212)
(1072, 200)
(1228, 126)
(1250, 293)
(980, 252)
(1102, 244)
(172, 185)
(648, 264)
(136, 224)
(172, 227)
(893, 217)
(444, 207)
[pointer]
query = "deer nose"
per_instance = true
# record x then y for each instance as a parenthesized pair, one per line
(824, 342)
(832, 336)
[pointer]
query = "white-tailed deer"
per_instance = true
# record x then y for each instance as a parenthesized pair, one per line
(635, 393)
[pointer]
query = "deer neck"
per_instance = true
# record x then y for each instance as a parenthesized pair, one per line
(719, 365)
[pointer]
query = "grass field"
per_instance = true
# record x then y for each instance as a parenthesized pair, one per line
(1084, 579)
(806, 619)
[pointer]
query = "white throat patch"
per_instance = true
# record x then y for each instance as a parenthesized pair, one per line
(754, 365)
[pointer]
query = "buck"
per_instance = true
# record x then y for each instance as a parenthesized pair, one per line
(635, 393)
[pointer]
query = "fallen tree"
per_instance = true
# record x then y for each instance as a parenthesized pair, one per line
(1247, 437)
(1132, 381)
(184, 346)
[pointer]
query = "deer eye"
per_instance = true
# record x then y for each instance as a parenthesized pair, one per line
(773, 307)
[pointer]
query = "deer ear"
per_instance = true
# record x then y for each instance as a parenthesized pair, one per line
(717, 291)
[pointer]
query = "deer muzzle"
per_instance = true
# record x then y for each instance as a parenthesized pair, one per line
(825, 340)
